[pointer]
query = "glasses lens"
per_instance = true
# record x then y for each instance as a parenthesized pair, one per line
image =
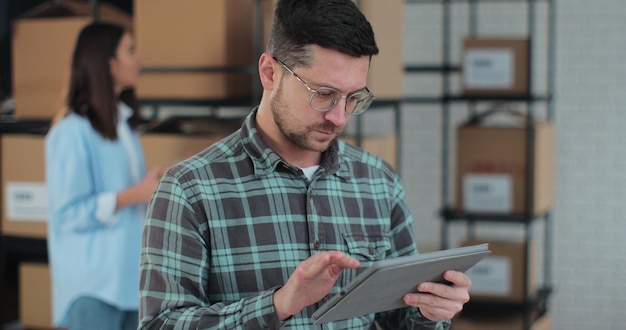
(359, 102)
(325, 98)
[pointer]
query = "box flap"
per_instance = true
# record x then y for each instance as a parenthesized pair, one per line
(64, 8)
(74, 8)
(194, 125)
(499, 116)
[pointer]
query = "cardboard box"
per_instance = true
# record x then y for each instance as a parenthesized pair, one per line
(268, 7)
(197, 34)
(500, 321)
(386, 74)
(162, 148)
(501, 275)
(42, 46)
(383, 146)
(496, 67)
(491, 168)
(177, 138)
(35, 295)
(24, 202)
(24, 206)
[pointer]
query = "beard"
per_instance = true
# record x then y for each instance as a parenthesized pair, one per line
(300, 135)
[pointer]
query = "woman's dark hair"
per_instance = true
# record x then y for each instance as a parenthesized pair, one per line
(332, 24)
(91, 93)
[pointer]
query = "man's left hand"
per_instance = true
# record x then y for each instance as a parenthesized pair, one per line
(437, 301)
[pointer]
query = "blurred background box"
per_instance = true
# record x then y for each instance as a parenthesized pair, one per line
(192, 34)
(174, 139)
(24, 193)
(495, 66)
(43, 42)
(486, 149)
(35, 296)
(501, 276)
(386, 74)
(384, 146)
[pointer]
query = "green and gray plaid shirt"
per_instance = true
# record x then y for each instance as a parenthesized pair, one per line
(228, 226)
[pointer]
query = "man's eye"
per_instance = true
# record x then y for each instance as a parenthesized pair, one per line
(326, 94)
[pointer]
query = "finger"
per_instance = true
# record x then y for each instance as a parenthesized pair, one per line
(457, 294)
(314, 265)
(437, 306)
(343, 260)
(320, 262)
(457, 278)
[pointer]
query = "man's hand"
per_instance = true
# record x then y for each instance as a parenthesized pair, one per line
(438, 301)
(311, 281)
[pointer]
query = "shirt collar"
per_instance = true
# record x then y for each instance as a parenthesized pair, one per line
(266, 160)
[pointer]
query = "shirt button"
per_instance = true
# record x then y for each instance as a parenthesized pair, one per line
(316, 245)
(371, 250)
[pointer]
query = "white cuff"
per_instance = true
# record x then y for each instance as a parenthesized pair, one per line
(105, 208)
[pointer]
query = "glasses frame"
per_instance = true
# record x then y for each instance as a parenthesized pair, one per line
(362, 109)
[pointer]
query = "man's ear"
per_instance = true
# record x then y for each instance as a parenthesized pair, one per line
(268, 72)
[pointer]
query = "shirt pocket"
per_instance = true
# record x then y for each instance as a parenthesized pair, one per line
(370, 248)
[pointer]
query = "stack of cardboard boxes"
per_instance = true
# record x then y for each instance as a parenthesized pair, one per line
(48, 30)
(492, 178)
(186, 49)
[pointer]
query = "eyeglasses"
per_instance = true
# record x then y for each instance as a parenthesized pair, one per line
(323, 99)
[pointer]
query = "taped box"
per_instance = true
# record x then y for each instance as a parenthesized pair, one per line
(188, 46)
(495, 66)
(24, 190)
(502, 275)
(491, 173)
(42, 45)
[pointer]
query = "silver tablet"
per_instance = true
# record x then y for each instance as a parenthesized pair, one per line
(381, 287)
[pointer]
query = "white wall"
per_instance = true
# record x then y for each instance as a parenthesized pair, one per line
(589, 238)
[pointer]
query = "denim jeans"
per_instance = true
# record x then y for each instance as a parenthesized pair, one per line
(88, 313)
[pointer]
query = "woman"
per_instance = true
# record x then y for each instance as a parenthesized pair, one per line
(97, 186)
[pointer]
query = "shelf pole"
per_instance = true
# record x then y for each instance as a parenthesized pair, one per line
(548, 217)
(530, 158)
(551, 45)
(257, 48)
(398, 128)
(473, 32)
(445, 117)
(95, 14)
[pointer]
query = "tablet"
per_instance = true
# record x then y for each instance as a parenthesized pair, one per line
(381, 287)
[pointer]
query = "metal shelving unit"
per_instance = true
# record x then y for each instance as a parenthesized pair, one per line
(537, 305)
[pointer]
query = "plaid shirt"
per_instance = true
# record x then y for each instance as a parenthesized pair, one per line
(226, 228)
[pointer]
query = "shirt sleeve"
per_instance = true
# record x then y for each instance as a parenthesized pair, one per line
(174, 271)
(73, 205)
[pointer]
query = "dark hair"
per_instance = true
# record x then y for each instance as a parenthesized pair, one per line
(332, 24)
(91, 93)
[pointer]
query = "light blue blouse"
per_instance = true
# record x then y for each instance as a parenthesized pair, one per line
(93, 250)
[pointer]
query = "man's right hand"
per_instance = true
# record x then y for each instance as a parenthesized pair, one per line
(311, 281)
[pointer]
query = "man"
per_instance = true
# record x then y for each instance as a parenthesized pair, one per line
(258, 230)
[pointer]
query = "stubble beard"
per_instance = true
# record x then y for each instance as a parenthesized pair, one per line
(288, 126)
